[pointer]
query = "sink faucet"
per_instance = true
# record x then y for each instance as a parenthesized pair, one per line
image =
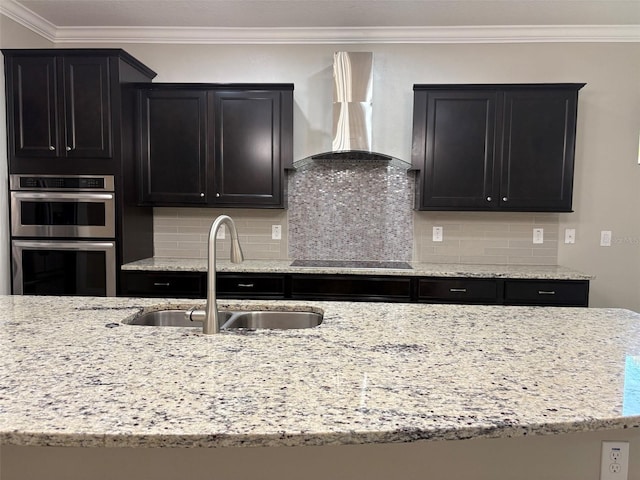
(209, 316)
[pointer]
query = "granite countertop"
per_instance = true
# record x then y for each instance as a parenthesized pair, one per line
(72, 375)
(543, 272)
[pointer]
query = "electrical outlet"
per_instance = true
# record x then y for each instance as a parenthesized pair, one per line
(221, 233)
(570, 235)
(276, 232)
(614, 464)
(538, 235)
(605, 238)
(437, 234)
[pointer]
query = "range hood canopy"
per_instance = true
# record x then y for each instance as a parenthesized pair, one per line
(352, 108)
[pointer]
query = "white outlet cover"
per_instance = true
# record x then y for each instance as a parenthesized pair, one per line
(605, 238)
(614, 464)
(276, 232)
(538, 235)
(570, 235)
(437, 234)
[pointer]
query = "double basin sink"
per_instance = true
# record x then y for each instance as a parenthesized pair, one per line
(231, 320)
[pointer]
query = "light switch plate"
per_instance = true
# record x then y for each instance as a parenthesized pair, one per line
(276, 232)
(538, 235)
(437, 234)
(570, 235)
(605, 238)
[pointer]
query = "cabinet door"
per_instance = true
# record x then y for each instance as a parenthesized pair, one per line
(173, 151)
(458, 149)
(247, 126)
(87, 111)
(538, 149)
(32, 96)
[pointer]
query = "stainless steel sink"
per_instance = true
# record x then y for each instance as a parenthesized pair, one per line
(167, 318)
(251, 320)
(273, 320)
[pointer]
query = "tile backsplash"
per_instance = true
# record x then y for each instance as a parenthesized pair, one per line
(486, 238)
(335, 214)
(183, 232)
(351, 210)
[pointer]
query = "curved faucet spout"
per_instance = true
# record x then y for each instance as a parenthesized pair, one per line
(211, 321)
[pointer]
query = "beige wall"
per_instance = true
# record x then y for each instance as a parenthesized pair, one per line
(607, 179)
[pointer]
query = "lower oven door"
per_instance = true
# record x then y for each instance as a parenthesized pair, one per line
(64, 268)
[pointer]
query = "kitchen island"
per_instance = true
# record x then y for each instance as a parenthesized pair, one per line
(398, 381)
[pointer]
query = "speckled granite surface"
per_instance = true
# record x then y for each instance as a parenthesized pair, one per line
(418, 269)
(72, 375)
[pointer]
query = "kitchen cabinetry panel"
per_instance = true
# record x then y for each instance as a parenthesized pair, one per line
(538, 149)
(232, 153)
(458, 290)
(494, 147)
(32, 97)
(248, 285)
(173, 157)
(61, 106)
(164, 284)
(247, 147)
(87, 107)
(351, 287)
(568, 293)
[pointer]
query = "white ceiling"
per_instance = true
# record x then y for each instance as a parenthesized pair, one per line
(95, 20)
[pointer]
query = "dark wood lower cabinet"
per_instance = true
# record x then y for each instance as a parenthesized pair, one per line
(458, 290)
(351, 287)
(359, 288)
(566, 293)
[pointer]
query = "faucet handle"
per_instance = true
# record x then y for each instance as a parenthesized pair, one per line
(195, 315)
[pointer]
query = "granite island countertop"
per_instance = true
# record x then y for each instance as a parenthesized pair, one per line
(71, 374)
(542, 272)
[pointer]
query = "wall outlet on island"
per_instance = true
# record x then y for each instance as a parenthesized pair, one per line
(615, 461)
(276, 232)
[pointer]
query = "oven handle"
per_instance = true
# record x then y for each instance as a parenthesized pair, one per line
(63, 196)
(65, 245)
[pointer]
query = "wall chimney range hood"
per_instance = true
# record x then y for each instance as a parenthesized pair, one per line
(352, 108)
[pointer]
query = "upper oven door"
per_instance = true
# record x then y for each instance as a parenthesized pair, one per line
(57, 214)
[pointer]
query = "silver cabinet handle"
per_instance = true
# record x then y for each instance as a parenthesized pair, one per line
(51, 147)
(546, 292)
(202, 195)
(68, 149)
(161, 284)
(246, 285)
(504, 199)
(458, 290)
(489, 199)
(217, 194)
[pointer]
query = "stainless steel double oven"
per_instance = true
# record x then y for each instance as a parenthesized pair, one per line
(63, 234)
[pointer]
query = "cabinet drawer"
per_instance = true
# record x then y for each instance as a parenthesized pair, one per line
(570, 293)
(249, 286)
(457, 290)
(170, 285)
(351, 287)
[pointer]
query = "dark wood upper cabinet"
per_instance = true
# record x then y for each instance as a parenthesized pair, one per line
(494, 147)
(215, 145)
(61, 107)
(65, 108)
(247, 147)
(173, 157)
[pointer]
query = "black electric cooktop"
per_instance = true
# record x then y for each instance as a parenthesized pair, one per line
(350, 264)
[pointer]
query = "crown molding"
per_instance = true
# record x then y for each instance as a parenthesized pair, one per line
(476, 34)
(332, 35)
(28, 19)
